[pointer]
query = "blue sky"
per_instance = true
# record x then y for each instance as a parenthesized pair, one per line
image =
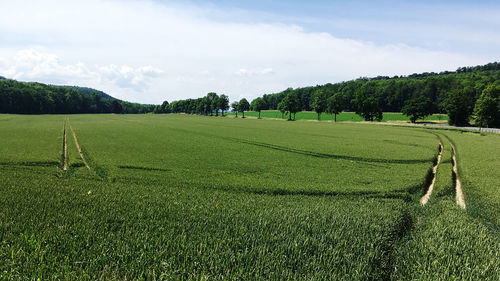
(442, 25)
(154, 50)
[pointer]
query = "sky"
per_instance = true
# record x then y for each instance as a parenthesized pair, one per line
(149, 51)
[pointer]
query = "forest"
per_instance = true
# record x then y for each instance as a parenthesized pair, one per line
(37, 98)
(391, 93)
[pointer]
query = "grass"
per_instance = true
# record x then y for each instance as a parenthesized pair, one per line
(188, 197)
(344, 116)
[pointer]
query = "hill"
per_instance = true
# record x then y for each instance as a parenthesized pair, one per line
(38, 98)
(90, 91)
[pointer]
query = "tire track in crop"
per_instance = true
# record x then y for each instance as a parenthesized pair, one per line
(65, 148)
(459, 195)
(358, 195)
(458, 185)
(428, 194)
(31, 163)
(79, 147)
(331, 156)
(142, 168)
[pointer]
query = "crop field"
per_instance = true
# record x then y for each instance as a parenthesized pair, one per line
(182, 197)
(344, 116)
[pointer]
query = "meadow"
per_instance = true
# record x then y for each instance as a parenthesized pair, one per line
(203, 198)
(343, 116)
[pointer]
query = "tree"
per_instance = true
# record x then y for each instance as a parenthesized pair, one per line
(223, 103)
(459, 105)
(282, 109)
(211, 104)
(215, 105)
(368, 108)
(487, 109)
(335, 104)
(319, 102)
(292, 104)
(206, 105)
(234, 107)
(116, 107)
(366, 101)
(259, 105)
(418, 108)
(165, 108)
(243, 106)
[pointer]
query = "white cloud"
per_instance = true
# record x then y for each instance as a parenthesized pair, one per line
(31, 64)
(148, 51)
(246, 72)
(129, 77)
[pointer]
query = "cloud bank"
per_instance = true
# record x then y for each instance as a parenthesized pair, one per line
(31, 64)
(148, 51)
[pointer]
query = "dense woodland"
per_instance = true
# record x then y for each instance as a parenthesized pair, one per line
(392, 92)
(37, 98)
(469, 93)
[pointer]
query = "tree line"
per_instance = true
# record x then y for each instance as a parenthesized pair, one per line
(468, 92)
(37, 98)
(465, 93)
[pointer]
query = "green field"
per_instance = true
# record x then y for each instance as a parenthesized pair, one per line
(344, 116)
(188, 197)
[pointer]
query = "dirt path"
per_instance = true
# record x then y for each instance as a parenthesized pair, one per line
(458, 185)
(65, 148)
(427, 195)
(78, 147)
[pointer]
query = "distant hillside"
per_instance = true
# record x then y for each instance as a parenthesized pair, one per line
(37, 98)
(90, 91)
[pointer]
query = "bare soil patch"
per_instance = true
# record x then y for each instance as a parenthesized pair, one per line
(458, 185)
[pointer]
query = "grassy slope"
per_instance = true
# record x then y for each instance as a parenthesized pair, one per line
(212, 205)
(344, 116)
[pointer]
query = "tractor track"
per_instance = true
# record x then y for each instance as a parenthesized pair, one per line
(458, 185)
(65, 148)
(79, 147)
(459, 195)
(428, 194)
